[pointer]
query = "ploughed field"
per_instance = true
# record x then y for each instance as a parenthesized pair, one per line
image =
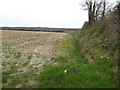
(25, 51)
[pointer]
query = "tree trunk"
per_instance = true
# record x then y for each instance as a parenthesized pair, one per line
(104, 6)
(93, 12)
(90, 12)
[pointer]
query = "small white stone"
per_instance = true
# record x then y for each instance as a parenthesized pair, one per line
(65, 71)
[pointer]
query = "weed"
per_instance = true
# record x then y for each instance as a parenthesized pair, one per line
(17, 55)
(29, 56)
(7, 54)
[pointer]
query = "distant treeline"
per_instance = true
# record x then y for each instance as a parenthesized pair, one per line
(46, 29)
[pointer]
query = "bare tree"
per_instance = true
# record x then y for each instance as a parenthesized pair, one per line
(95, 9)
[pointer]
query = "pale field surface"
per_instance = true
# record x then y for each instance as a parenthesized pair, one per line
(23, 51)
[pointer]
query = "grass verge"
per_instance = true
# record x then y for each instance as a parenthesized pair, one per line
(73, 70)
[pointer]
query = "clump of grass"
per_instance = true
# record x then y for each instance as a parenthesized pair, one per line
(29, 56)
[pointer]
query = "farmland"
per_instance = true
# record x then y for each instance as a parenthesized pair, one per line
(24, 51)
(52, 60)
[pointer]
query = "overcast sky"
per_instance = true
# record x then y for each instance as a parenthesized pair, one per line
(42, 13)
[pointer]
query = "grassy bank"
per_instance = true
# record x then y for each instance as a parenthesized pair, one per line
(72, 69)
(95, 44)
